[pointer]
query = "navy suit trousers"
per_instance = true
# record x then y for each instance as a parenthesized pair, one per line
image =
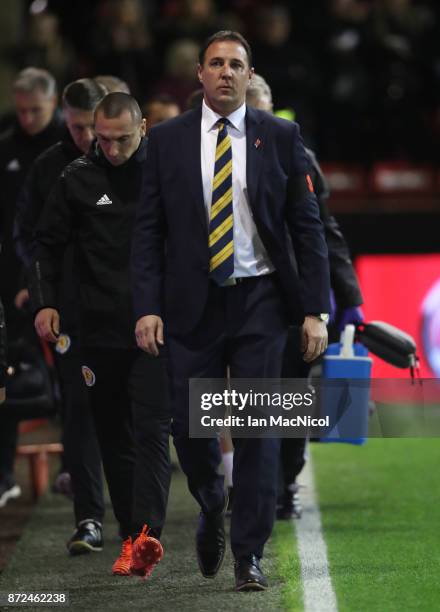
(244, 327)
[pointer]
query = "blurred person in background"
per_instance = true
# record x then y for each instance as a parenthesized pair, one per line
(347, 296)
(402, 86)
(178, 80)
(194, 19)
(45, 46)
(199, 19)
(93, 207)
(122, 44)
(160, 108)
(38, 125)
(82, 457)
(290, 62)
(345, 107)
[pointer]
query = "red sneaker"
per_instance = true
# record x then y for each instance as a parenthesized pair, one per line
(146, 554)
(121, 567)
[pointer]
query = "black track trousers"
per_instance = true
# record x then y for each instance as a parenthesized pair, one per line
(128, 397)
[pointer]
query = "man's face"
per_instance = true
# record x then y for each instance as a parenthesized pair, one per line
(120, 137)
(80, 126)
(34, 110)
(158, 112)
(225, 75)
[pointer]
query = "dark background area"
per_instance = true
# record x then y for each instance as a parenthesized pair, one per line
(362, 76)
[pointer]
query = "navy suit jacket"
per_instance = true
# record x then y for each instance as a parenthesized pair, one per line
(170, 257)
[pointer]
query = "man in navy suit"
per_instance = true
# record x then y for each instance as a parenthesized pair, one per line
(228, 251)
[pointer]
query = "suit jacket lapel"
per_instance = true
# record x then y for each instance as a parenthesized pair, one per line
(255, 131)
(191, 158)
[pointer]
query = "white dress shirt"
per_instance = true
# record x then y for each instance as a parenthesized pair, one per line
(250, 256)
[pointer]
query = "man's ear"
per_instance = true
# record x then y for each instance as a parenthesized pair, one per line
(199, 73)
(143, 127)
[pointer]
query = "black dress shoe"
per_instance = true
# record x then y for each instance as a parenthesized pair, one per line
(86, 538)
(248, 575)
(210, 542)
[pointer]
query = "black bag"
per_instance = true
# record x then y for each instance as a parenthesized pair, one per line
(389, 343)
(29, 393)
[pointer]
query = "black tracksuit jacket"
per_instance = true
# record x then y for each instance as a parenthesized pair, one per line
(343, 277)
(93, 206)
(17, 152)
(39, 183)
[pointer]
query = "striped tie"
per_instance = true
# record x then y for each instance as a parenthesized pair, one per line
(221, 231)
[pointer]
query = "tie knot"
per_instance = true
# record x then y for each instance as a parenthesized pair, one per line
(222, 123)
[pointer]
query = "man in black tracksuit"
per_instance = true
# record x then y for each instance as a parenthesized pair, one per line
(93, 206)
(81, 450)
(37, 126)
(348, 298)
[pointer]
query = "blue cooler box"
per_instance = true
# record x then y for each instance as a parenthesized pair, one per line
(347, 403)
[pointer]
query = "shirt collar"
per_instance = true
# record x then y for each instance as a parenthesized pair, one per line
(210, 118)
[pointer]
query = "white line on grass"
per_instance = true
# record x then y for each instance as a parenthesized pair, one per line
(319, 595)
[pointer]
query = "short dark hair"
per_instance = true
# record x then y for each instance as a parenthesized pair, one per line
(112, 83)
(114, 104)
(226, 35)
(83, 94)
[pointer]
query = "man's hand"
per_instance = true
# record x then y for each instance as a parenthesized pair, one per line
(47, 324)
(314, 338)
(149, 333)
(21, 298)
